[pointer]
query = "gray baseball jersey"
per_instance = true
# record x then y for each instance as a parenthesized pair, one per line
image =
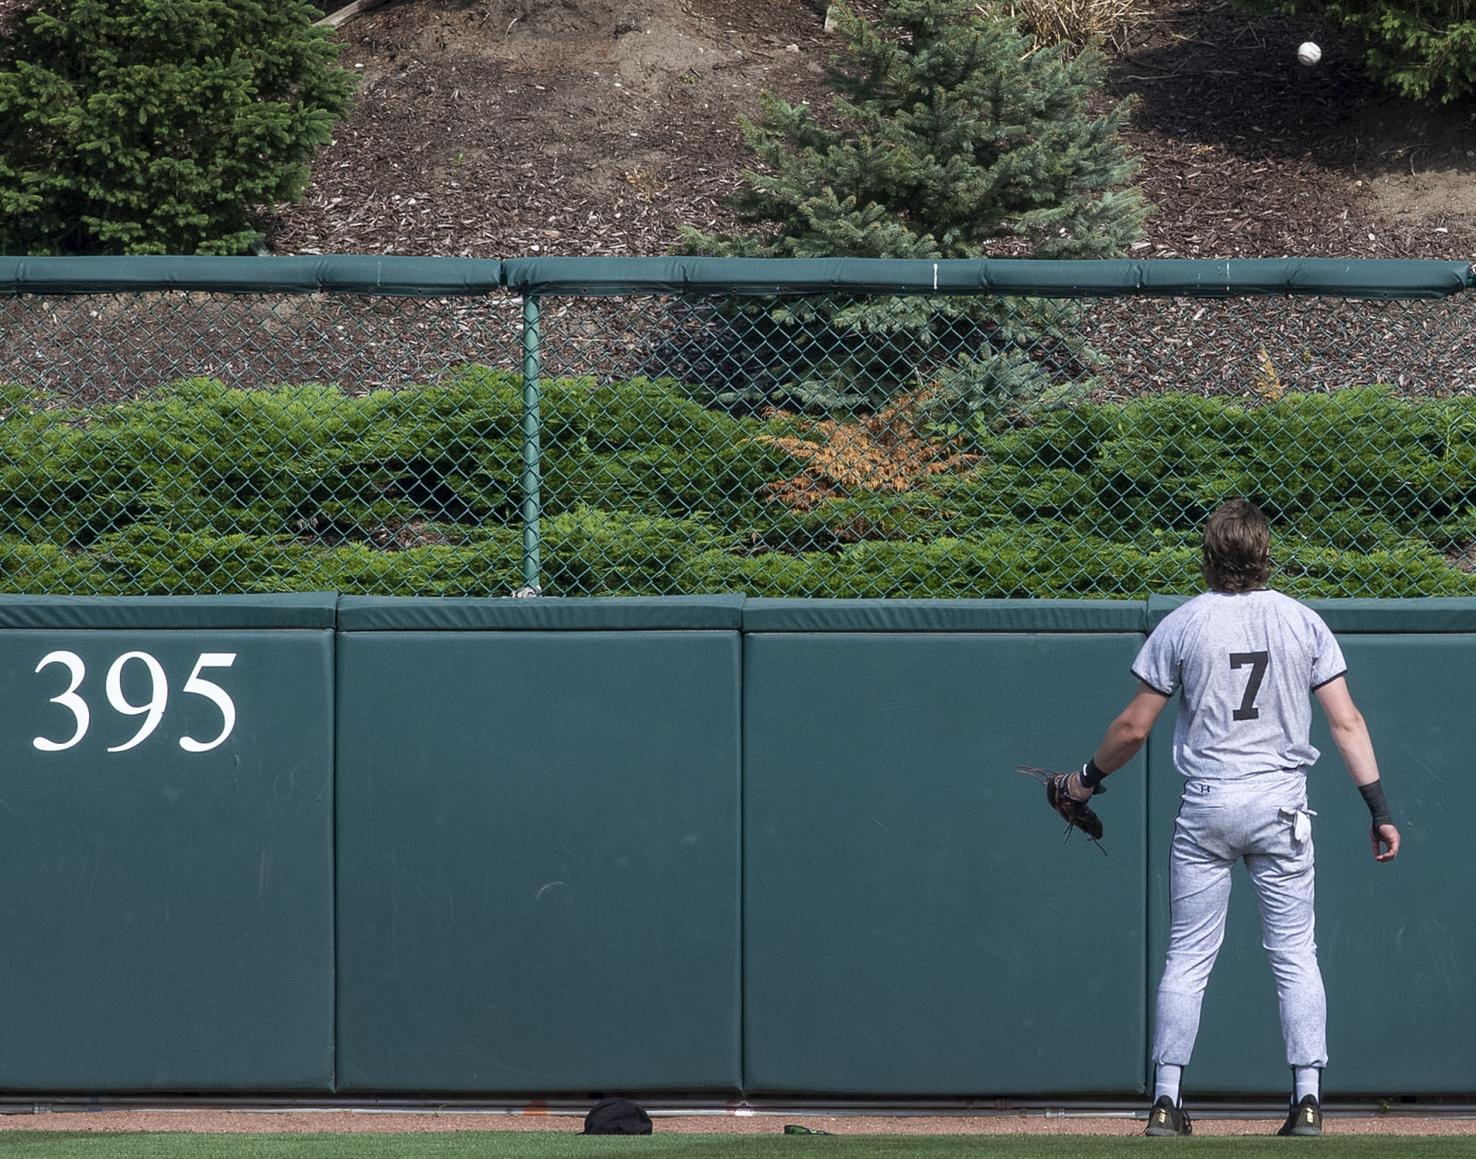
(1246, 662)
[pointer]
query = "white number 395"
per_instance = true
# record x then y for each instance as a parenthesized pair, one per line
(152, 709)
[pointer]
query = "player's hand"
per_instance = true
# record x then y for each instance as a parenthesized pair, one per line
(1385, 835)
(1076, 813)
(1073, 788)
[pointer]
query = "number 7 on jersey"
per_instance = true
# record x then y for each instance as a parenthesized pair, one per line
(1257, 662)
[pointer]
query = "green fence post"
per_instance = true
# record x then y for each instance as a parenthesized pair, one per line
(532, 478)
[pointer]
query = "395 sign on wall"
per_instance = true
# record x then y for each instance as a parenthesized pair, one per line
(76, 693)
(166, 843)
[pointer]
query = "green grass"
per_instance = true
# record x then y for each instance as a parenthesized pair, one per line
(564, 1145)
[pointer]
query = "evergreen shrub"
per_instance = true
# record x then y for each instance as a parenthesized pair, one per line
(159, 126)
(950, 131)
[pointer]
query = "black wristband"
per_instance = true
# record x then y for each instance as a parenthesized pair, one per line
(1091, 777)
(1378, 808)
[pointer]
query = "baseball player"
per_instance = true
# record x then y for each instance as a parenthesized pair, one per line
(1245, 659)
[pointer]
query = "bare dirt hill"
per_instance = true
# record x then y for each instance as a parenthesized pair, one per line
(517, 127)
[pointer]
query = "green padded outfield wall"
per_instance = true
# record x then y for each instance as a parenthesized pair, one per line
(698, 844)
(538, 843)
(166, 844)
(1396, 942)
(911, 915)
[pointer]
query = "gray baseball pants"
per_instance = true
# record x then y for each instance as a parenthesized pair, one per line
(1263, 820)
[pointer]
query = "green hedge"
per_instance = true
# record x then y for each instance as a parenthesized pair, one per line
(201, 488)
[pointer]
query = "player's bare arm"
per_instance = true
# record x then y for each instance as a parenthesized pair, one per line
(1350, 734)
(1124, 737)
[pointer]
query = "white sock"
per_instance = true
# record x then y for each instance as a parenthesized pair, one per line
(1307, 1080)
(1166, 1080)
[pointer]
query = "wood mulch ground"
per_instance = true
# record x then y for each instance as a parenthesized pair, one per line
(600, 127)
(502, 128)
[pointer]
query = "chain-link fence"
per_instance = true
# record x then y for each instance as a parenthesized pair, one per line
(1015, 429)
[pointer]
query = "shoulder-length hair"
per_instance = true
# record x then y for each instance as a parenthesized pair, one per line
(1237, 548)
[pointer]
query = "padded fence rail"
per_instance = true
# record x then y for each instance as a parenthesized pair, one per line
(359, 846)
(784, 428)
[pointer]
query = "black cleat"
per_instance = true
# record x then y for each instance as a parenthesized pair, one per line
(1305, 1118)
(1165, 1118)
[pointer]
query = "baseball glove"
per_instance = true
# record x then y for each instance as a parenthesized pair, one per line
(1076, 814)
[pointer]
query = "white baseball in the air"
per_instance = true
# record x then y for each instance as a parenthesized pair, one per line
(1308, 53)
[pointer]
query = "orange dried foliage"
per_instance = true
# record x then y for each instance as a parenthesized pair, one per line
(1264, 379)
(879, 453)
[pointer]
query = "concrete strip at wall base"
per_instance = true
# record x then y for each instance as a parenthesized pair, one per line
(1395, 941)
(912, 917)
(166, 914)
(538, 846)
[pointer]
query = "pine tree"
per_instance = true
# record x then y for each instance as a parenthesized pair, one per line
(949, 130)
(951, 135)
(159, 126)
